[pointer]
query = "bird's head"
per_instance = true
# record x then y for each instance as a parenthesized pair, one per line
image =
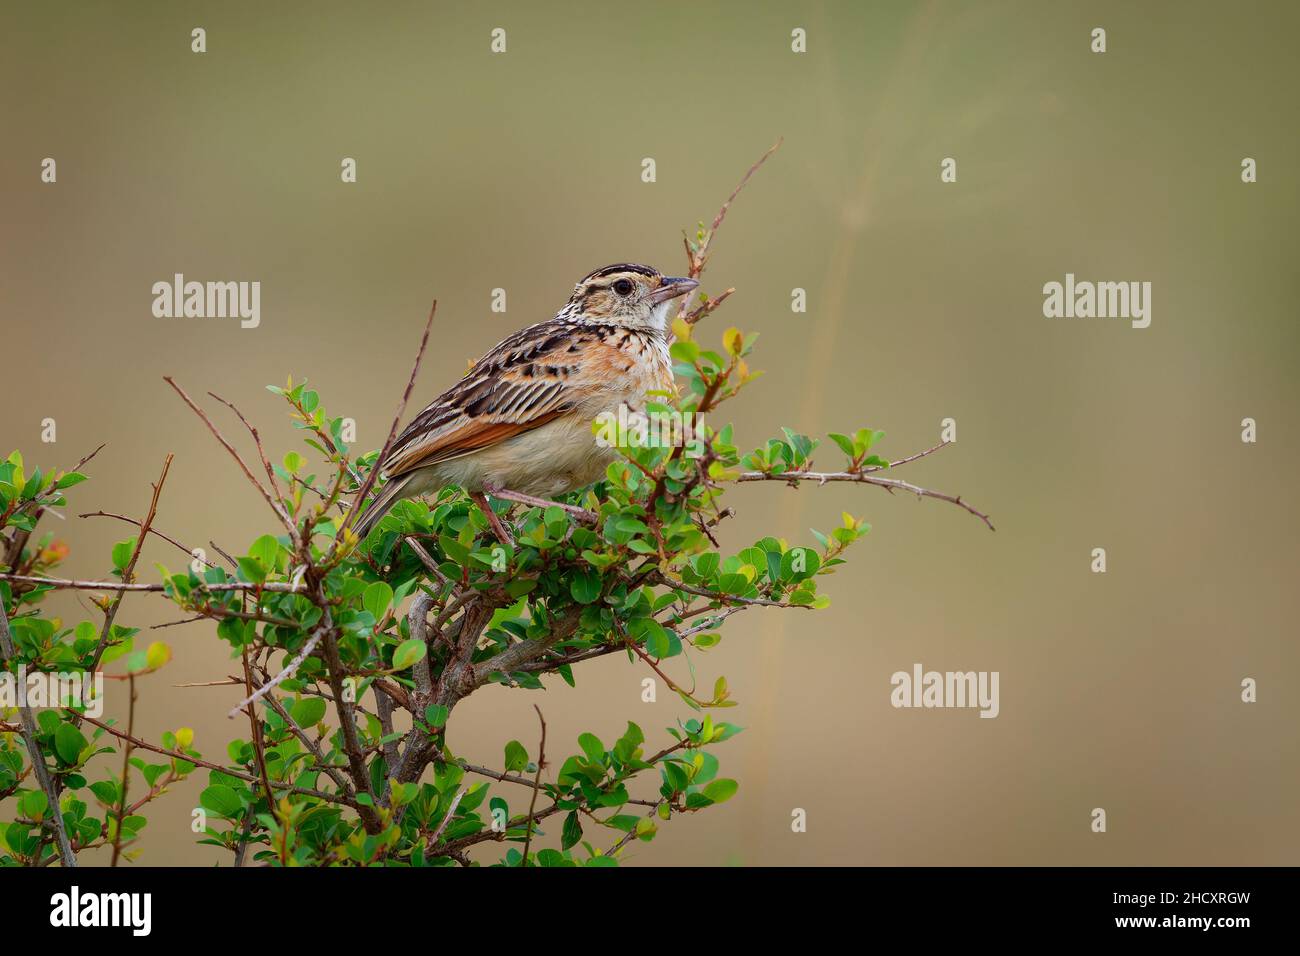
(626, 294)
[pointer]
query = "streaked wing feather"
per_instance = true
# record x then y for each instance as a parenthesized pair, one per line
(524, 382)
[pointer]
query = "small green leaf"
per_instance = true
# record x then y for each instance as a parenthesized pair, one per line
(33, 804)
(68, 743)
(122, 553)
(585, 586)
(308, 712)
(265, 550)
(572, 831)
(376, 599)
(592, 747)
(720, 791)
(251, 570)
(221, 800)
(516, 756)
(408, 653)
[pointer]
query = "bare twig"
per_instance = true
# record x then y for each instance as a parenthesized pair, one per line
(153, 531)
(537, 784)
(257, 441)
(451, 811)
(230, 562)
(426, 559)
(275, 504)
(373, 475)
(128, 573)
(582, 514)
(68, 583)
(255, 726)
(904, 461)
(863, 477)
(699, 257)
(126, 771)
(707, 308)
(288, 671)
(497, 774)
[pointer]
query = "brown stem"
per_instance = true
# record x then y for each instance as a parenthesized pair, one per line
(126, 771)
(537, 784)
(128, 573)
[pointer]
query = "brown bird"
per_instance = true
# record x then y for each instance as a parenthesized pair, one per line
(520, 422)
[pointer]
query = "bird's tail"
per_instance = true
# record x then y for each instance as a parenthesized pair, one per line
(392, 493)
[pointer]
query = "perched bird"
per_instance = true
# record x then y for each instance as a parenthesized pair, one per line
(520, 422)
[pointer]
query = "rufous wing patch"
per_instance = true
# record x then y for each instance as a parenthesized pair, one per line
(474, 434)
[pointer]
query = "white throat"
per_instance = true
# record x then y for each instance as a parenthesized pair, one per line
(659, 315)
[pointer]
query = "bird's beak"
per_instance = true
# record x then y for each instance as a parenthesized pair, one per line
(671, 288)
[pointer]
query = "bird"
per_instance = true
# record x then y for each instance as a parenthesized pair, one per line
(519, 423)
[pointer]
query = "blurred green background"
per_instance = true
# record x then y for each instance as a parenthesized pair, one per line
(522, 171)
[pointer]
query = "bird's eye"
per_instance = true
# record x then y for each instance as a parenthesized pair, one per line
(623, 286)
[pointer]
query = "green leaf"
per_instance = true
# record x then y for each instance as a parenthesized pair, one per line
(68, 743)
(720, 791)
(585, 586)
(572, 831)
(33, 804)
(658, 642)
(251, 571)
(122, 553)
(408, 653)
(308, 712)
(105, 791)
(845, 443)
(70, 479)
(265, 550)
(376, 599)
(436, 715)
(592, 747)
(221, 800)
(516, 756)
(454, 550)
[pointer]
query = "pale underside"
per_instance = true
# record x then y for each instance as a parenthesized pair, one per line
(551, 459)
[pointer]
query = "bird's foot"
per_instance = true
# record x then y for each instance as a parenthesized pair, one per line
(500, 530)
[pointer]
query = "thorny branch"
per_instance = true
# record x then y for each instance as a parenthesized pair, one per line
(537, 783)
(866, 476)
(128, 573)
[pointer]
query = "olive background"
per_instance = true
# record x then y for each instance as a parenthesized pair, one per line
(522, 171)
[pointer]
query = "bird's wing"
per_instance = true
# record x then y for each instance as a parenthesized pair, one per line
(529, 379)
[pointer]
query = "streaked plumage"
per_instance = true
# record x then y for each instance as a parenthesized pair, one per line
(521, 419)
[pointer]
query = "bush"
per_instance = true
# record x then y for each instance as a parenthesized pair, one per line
(378, 641)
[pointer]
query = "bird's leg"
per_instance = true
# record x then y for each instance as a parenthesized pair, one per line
(536, 502)
(503, 535)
